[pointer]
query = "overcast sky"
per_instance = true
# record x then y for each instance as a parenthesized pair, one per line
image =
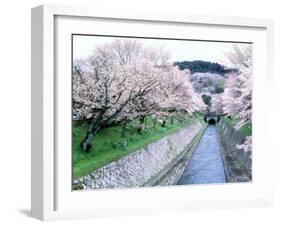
(180, 50)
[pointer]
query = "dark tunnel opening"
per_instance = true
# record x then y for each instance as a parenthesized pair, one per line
(212, 121)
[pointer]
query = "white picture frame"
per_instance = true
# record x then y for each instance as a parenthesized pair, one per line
(52, 198)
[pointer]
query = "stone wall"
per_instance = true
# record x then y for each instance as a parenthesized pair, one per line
(139, 167)
(173, 173)
(238, 164)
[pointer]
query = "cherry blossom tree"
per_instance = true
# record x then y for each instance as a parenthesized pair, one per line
(216, 103)
(237, 97)
(247, 145)
(231, 94)
(108, 97)
(176, 94)
(122, 81)
(239, 85)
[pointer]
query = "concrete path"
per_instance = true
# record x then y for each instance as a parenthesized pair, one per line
(206, 164)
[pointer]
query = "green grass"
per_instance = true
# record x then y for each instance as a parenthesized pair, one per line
(109, 145)
(246, 129)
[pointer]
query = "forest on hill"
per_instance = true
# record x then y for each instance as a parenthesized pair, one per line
(204, 66)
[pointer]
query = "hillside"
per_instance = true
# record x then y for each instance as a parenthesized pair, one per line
(207, 82)
(204, 66)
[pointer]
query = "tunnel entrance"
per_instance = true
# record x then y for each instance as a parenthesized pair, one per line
(211, 118)
(212, 121)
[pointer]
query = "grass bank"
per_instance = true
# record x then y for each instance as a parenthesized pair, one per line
(109, 145)
(246, 129)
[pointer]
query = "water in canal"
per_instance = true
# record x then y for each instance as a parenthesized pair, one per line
(206, 164)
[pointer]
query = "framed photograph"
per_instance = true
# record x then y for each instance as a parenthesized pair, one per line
(137, 113)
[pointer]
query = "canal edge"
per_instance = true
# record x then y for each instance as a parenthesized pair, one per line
(193, 148)
(222, 151)
(156, 181)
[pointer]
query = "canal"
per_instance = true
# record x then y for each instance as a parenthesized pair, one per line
(206, 164)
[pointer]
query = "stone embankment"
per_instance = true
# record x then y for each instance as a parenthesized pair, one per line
(238, 164)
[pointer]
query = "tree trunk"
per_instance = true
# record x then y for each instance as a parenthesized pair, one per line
(124, 127)
(163, 123)
(172, 120)
(154, 123)
(86, 143)
(141, 124)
